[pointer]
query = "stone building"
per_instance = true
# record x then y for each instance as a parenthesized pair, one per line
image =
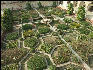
(63, 4)
(22, 4)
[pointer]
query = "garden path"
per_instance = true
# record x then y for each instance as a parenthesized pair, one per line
(84, 64)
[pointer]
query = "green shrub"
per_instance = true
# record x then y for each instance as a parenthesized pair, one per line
(28, 6)
(39, 5)
(63, 55)
(47, 47)
(12, 36)
(28, 33)
(81, 13)
(15, 18)
(62, 14)
(43, 30)
(74, 25)
(68, 20)
(30, 42)
(37, 34)
(12, 44)
(54, 4)
(70, 9)
(52, 67)
(27, 27)
(91, 35)
(63, 26)
(25, 18)
(90, 27)
(84, 31)
(83, 37)
(85, 23)
(34, 15)
(36, 63)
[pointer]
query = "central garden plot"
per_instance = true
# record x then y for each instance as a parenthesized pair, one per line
(36, 62)
(61, 54)
(48, 43)
(54, 40)
(37, 44)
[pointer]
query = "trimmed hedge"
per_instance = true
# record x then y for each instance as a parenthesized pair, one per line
(63, 27)
(27, 27)
(43, 30)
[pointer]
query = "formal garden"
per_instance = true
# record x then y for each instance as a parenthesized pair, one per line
(38, 46)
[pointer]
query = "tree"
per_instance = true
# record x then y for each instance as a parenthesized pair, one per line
(28, 6)
(39, 4)
(70, 9)
(7, 21)
(54, 4)
(27, 26)
(81, 13)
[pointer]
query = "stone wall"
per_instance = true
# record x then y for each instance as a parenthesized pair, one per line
(22, 4)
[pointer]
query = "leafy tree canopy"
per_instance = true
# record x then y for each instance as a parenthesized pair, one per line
(70, 9)
(81, 13)
(28, 6)
(7, 20)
